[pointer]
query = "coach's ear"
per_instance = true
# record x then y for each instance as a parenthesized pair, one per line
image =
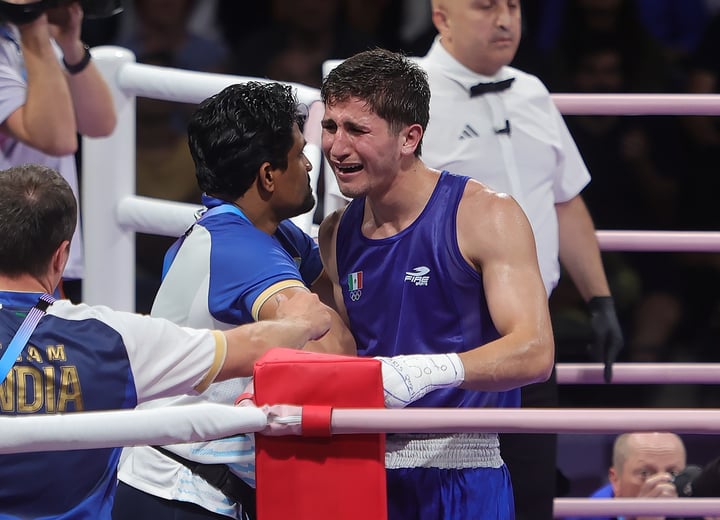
(58, 261)
(266, 177)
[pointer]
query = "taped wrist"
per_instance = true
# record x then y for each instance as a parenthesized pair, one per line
(408, 378)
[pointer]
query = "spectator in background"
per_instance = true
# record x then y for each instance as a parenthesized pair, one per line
(644, 466)
(567, 26)
(677, 24)
(163, 26)
(383, 21)
(635, 163)
(300, 37)
(704, 135)
(698, 206)
(236, 19)
(50, 90)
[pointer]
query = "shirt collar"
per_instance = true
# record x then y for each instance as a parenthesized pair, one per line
(210, 202)
(18, 299)
(439, 57)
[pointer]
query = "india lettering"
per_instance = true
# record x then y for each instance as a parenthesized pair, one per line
(49, 389)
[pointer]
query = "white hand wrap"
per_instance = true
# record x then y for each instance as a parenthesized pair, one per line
(408, 378)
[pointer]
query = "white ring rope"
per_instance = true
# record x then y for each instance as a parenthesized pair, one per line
(640, 373)
(524, 420)
(638, 104)
(204, 421)
(114, 428)
(166, 218)
(616, 507)
(185, 86)
(660, 241)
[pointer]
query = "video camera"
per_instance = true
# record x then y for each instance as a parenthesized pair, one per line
(19, 14)
(684, 480)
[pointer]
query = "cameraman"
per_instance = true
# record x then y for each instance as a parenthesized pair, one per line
(50, 91)
(644, 465)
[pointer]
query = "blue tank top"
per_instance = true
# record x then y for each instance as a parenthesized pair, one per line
(414, 293)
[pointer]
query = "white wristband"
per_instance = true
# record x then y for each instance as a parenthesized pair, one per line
(408, 378)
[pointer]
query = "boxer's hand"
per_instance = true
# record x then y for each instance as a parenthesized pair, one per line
(408, 378)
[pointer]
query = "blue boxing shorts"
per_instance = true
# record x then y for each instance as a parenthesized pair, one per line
(447, 477)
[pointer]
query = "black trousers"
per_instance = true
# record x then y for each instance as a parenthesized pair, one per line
(133, 504)
(531, 457)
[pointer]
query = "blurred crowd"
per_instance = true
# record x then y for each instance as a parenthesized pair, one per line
(649, 172)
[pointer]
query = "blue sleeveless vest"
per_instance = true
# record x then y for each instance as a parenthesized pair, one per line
(414, 292)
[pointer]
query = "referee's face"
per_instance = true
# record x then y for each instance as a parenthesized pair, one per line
(483, 35)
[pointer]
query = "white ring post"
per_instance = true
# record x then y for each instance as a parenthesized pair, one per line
(155, 216)
(108, 175)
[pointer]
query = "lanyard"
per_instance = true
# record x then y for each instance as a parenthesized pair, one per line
(20, 339)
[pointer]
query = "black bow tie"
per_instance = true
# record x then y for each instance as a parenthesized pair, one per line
(493, 86)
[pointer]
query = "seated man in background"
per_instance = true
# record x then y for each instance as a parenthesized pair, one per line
(644, 465)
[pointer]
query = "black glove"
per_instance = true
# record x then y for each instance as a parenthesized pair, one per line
(607, 334)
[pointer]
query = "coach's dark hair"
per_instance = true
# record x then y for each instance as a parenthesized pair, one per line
(393, 86)
(38, 211)
(236, 130)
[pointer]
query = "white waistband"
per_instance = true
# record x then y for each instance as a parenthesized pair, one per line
(444, 451)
